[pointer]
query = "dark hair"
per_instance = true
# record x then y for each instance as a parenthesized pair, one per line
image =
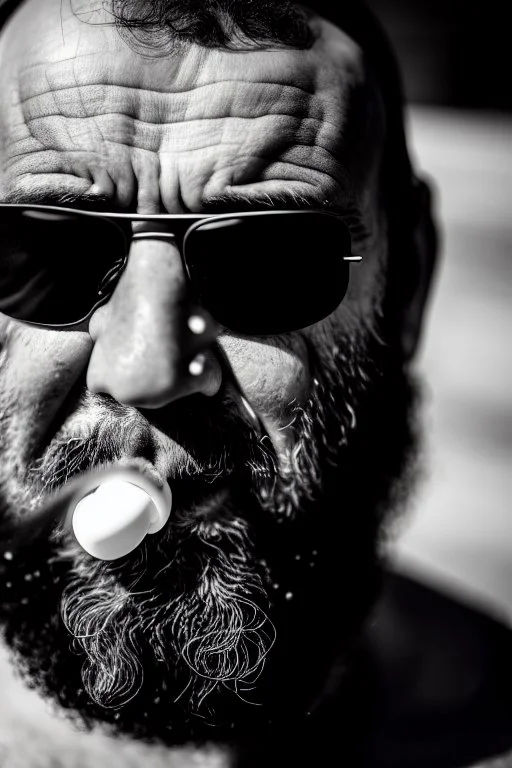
(214, 23)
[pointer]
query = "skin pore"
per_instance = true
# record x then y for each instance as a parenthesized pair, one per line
(266, 537)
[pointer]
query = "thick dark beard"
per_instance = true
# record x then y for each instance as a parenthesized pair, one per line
(170, 640)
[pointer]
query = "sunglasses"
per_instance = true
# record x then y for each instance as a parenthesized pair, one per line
(256, 273)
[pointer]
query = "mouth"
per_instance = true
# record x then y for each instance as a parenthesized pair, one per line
(202, 449)
(194, 499)
(193, 496)
(76, 467)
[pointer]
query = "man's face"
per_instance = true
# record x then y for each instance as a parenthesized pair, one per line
(270, 551)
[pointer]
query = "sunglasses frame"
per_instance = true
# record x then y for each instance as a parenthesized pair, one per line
(157, 232)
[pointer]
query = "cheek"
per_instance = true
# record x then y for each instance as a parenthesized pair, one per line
(367, 278)
(359, 314)
(38, 369)
(274, 376)
(366, 289)
(38, 361)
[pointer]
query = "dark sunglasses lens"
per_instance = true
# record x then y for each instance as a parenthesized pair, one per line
(269, 274)
(53, 265)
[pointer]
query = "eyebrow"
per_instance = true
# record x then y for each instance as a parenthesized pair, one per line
(227, 202)
(286, 200)
(55, 197)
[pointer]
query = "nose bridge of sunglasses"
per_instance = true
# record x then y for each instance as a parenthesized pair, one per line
(149, 229)
(172, 230)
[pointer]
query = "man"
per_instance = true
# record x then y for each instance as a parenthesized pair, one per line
(278, 407)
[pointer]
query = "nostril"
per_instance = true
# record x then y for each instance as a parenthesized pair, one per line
(154, 380)
(151, 343)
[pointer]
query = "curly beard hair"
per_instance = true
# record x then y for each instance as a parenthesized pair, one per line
(173, 640)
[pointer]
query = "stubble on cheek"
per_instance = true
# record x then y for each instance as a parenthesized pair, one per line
(40, 383)
(14, 435)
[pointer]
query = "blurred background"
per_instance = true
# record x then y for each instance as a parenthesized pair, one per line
(454, 61)
(440, 640)
(453, 53)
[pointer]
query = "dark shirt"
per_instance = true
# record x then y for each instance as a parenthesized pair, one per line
(439, 677)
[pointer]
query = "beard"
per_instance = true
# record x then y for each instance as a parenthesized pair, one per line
(232, 619)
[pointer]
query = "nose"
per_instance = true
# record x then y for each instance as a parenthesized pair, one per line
(151, 344)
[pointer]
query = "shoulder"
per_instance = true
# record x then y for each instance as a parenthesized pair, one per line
(439, 679)
(505, 761)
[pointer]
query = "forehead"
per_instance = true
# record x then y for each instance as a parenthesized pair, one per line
(81, 106)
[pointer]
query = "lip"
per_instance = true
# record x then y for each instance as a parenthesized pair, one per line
(193, 488)
(194, 502)
(189, 491)
(55, 510)
(145, 467)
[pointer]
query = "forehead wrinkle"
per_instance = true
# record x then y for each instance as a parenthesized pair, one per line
(149, 118)
(158, 121)
(87, 97)
(62, 126)
(56, 138)
(272, 114)
(170, 90)
(100, 55)
(84, 70)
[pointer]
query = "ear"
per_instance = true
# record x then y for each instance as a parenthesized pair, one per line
(416, 270)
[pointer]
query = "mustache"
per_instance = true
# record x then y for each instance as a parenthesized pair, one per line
(118, 430)
(203, 442)
(198, 436)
